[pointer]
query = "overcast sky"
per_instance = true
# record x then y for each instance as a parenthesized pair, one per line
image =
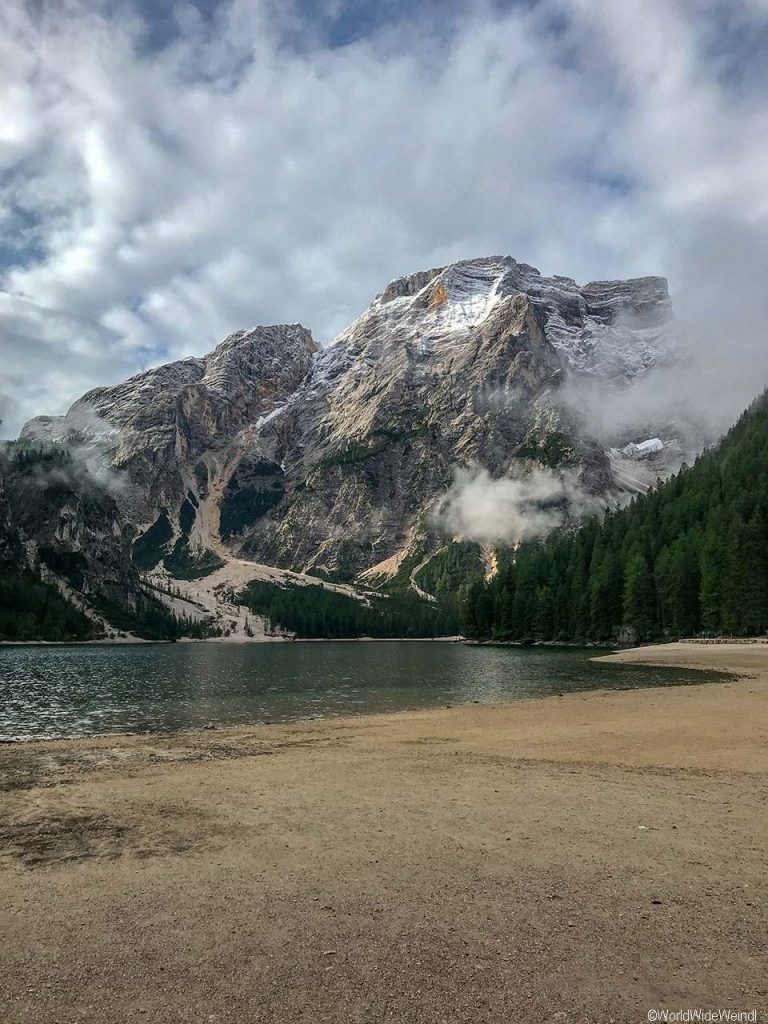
(169, 173)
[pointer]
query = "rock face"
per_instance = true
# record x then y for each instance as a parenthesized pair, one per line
(333, 460)
(59, 519)
(450, 367)
(164, 428)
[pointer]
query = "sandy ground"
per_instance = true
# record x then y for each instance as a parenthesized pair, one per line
(585, 858)
(747, 659)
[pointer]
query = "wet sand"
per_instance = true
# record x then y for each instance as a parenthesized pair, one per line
(584, 858)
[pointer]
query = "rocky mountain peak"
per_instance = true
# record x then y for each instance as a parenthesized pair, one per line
(604, 328)
(271, 449)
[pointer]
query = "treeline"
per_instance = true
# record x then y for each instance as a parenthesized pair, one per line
(317, 612)
(152, 620)
(33, 610)
(690, 557)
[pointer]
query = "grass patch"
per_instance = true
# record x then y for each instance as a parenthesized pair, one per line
(187, 564)
(150, 548)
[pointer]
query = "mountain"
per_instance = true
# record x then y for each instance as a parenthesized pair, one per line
(65, 555)
(686, 558)
(449, 367)
(181, 426)
(332, 463)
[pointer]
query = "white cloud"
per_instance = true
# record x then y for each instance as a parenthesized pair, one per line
(166, 198)
(511, 509)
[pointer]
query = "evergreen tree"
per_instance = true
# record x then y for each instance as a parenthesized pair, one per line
(690, 555)
(639, 599)
(710, 587)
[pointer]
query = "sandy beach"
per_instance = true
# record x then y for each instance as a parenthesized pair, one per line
(584, 858)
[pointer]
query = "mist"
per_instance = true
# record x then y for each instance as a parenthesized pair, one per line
(511, 509)
(718, 362)
(84, 439)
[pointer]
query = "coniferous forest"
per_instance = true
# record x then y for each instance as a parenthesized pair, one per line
(317, 612)
(33, 610)
(690, 557)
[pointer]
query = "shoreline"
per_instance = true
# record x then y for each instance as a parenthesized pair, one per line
(734, 667)
(642, 656)
(724, 675)
(237, 640)
(227, 730)
(723, 664)
(746, 659)
(591, 855)
(726, 642)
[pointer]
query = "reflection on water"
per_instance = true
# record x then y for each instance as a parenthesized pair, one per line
(80, 691)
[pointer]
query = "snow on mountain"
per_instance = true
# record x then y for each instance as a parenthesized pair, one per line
(606, 328)
(644, 448)
(333, 459)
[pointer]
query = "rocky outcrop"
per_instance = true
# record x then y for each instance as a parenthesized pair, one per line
(334, 460)
(456, 366)
(161, 428)
(60, 521)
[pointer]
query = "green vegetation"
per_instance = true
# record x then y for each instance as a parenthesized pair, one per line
(33, 610)
(380, 440)
(48, 455)
(187, 515)
(255, 489)
(185, 563)
(182, 561)
(552, 451)
(400, 582)
(691, 556)
(243, 507)
(150, 548)
(453, 566)
(314, 611)
(70, 565)
(150, 620)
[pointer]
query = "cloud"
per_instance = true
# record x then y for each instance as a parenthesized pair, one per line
(511, 509)
(81, 461)
(155, 196)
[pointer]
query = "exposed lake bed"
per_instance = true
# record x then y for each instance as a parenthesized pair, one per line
(602, 851)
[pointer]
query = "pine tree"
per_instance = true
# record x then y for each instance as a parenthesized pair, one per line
(710, 588)
(690, 555)
(639, 598)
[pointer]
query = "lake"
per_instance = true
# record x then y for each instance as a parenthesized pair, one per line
(75, 690)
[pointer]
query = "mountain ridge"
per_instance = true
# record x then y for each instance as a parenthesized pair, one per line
(273, 452)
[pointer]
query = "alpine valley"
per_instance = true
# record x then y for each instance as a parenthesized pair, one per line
(276, 488)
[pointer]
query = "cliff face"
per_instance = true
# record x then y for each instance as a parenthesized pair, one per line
(62, 522)
(452, 367)
(273, 451)
(161, 429)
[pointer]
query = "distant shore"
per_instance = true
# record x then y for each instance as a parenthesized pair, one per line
(106, 642)
(601, 852)
(629, 654)
(748, 658)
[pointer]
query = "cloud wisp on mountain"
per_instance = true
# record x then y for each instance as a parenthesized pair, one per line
(514, 508)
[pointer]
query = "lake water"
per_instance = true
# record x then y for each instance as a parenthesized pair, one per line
(85, 691)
